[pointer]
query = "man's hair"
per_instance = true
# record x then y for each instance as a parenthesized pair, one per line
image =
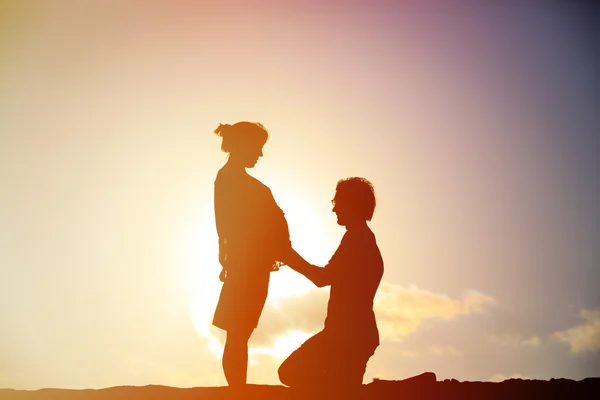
(360, 193)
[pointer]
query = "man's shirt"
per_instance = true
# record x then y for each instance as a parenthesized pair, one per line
(354, 271)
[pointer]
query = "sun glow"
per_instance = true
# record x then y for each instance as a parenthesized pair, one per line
(201, 258)
(283, 345)
(311, 236)
(200, 255)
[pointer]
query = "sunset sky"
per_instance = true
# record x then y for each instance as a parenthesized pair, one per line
(478, 127)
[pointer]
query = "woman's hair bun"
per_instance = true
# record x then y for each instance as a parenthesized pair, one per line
(222, 129)
(240, 135)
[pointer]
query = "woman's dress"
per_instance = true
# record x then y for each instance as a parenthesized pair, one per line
(252, 231)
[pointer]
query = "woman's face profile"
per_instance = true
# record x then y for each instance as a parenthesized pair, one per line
(250, 154)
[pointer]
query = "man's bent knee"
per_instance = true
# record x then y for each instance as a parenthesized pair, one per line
(285, 374)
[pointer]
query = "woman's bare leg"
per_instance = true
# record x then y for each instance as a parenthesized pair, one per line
(235, 358)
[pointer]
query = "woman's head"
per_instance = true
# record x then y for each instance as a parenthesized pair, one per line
(243, 141)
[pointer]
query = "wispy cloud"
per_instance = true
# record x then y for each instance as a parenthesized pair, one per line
(298, 313)
(584, 337)
(282, 345)
(533, 341)
(408, 354)
(401, 310)
(443, 351)
(515, 340)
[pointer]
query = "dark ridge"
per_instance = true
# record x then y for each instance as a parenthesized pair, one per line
(421, 387)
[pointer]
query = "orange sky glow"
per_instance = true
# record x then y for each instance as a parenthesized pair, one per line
(479, 141)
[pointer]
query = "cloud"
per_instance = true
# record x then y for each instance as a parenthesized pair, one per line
(443, 351)
(400, 310)
(502, 377)
(515, 340)
(282, 345)
(534, 341)
(581, 338)
(436, 351)
(584, 337)
(300, 313)
(286, 322)
(408, 354)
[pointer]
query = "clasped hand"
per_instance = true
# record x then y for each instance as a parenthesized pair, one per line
(288, 256)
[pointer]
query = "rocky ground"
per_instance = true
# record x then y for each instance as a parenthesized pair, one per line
(421, 387)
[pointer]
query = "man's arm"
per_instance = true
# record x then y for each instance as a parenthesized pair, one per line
(317, 275)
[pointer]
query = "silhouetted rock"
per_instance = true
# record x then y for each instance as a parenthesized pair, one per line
(420, 387)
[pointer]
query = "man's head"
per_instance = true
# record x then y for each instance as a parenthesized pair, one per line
(354, 201)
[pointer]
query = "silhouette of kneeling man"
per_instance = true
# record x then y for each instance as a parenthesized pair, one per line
(336, 358)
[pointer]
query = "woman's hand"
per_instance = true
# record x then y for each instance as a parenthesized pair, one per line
(223, 274)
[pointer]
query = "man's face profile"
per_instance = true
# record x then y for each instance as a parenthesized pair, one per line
(342, 207)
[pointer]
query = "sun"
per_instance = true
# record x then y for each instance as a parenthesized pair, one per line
(311, 235)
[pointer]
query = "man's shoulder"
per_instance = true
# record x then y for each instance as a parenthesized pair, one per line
(359, 243)
(365, 243)
(361, 235)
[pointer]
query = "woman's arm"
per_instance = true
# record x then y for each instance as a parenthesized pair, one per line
(221, 223)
